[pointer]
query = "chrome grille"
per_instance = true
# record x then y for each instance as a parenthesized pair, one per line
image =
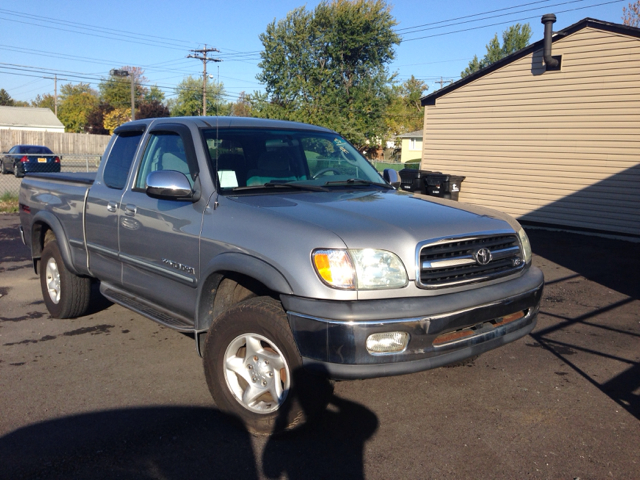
(452, 261)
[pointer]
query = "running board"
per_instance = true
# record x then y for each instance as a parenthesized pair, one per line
(153, 312)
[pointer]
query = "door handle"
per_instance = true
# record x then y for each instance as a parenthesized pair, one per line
(130, 210)
(112, 207)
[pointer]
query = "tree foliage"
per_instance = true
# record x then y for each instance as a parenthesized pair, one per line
(189, 99)
(405, 114)
(514, 38)
(115, 118)
(242, 107)
(152, 109)
(45, 100)
(154, 94)
(5, 98)
(95, 119)
(631, 15)
(76, 102)
(329, 67)
(116, 91)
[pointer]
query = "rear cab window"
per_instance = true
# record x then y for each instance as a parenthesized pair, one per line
(120, 159)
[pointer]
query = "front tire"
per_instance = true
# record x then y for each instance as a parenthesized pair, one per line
(65, 294)
(3, 168)
(254, 370)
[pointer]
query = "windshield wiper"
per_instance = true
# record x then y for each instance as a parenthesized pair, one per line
(291, 186)
(358, 181)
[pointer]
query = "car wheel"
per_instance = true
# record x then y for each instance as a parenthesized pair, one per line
(254, 370)
(65, 294)
(3, 168)
(16, 172)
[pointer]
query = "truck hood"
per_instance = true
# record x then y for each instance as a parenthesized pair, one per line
(388, 220)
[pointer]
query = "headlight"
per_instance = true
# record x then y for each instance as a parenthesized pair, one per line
(365, 269)
(526, 246)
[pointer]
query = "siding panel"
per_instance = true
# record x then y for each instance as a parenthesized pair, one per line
(555, 147)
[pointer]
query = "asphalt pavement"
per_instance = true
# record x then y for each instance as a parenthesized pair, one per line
(114, 395)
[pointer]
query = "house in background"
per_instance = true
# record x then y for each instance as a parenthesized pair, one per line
(30, 118)
(411, 148)
(551, 139)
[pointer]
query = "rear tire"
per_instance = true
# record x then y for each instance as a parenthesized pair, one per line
(254, 370)
(65, 294)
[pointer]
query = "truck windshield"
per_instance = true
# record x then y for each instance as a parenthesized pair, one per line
(261, 158)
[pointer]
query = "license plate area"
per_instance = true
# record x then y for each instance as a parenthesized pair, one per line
(42, 160)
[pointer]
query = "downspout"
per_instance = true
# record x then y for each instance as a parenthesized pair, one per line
(548, 20)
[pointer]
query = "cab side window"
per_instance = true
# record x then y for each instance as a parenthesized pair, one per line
(165, 151)
(120, 159)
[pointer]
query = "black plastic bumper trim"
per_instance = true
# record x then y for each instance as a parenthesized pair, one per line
(340, 371)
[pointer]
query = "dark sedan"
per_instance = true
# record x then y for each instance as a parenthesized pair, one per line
(23, 159)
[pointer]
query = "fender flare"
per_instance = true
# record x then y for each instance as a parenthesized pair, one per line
(243, 264)
(49, 219)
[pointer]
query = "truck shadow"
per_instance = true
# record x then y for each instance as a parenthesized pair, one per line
(613, 265)
(184, 442)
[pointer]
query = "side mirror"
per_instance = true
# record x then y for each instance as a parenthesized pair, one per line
(169, 185)
(392, 177)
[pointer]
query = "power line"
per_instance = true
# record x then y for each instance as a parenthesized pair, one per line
(508, 21)
(472, 15)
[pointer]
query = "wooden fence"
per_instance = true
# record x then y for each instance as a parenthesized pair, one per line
(61, 143)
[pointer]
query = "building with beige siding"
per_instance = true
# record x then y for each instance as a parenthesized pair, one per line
(411, 146)
(554, 146)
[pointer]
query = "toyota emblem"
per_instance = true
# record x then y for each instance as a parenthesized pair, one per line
(482, 256)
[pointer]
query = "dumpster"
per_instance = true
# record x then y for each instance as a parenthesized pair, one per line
(443, 185)
(414, 180)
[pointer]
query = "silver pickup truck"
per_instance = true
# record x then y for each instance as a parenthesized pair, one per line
(284, 253)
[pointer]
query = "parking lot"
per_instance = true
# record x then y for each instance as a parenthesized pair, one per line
(114, 395)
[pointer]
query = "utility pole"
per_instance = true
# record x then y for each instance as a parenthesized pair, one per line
(443, 81)
(55, 94)
(203, 55)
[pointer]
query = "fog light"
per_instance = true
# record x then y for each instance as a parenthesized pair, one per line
(389, 342)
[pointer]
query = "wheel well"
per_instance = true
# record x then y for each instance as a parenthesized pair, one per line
(40, 236)
(223, 290)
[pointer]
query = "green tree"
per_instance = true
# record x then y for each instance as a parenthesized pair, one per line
(76, 103)
(154, 94)
(405, 113)
(5, 98)
(116, 91)
(189, 99)
(242, 108)
(44, 101)
(329, 67)
(631, 15)
(514, 38)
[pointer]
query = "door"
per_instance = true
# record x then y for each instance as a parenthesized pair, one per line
(103, 205)
(159, 239)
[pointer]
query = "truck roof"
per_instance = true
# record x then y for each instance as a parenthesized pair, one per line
(227, 122)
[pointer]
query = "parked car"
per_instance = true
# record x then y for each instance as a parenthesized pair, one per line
(23, 159)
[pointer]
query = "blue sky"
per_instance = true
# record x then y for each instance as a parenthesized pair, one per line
(82, 41)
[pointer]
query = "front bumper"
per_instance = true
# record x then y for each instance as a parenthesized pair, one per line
(331, 335)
